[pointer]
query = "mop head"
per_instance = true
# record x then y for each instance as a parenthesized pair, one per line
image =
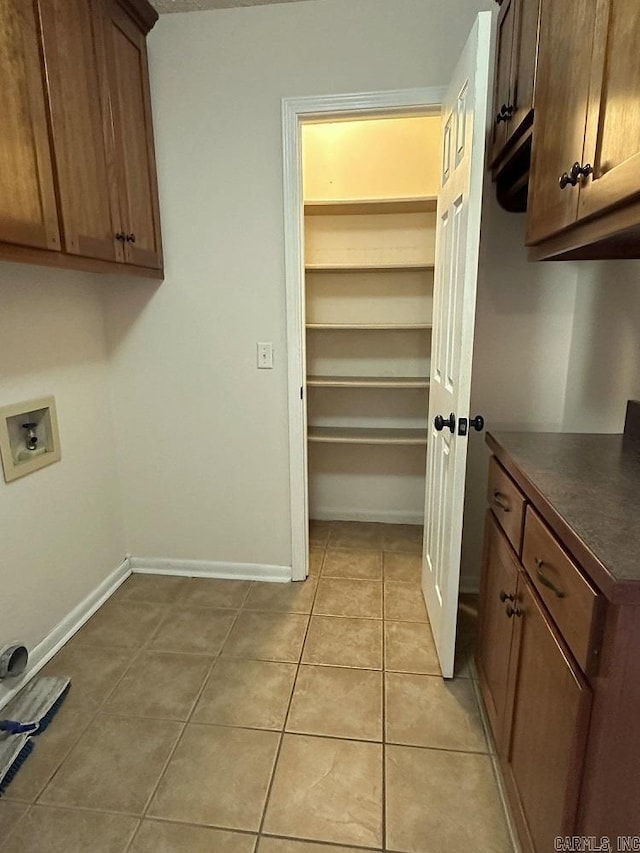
(28, 714)
(14, 751)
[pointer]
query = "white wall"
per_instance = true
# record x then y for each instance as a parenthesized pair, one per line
(604, 362)
(211, 482)
(524, 326)
(61, 526)
(203, 445)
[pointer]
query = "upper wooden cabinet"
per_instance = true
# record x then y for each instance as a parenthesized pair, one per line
(28, 214)
(584, 194)
(514, 99)
(516, 61)
(135, 158)
(83, 148)
(77, 169)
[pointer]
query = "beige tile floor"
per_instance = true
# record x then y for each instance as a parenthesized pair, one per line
(243, 717)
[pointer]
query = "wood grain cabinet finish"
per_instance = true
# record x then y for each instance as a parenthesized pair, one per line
(28, 213)
(80, 174)
(559, 674)
(515, 80)
(548, 712)
(536, 699)
(514, 100)
(133, 131)
(587, 129)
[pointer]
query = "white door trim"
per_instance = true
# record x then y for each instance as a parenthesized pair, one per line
(294, 112)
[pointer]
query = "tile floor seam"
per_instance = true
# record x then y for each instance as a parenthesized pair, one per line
(286, 716)
(36, 800)
(161, 775)
(186, 723)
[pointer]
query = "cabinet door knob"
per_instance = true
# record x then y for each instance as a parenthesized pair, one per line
(505, 113)
(121, 236)
(506, 596)
(570, 179)
(513, 611)
(131, 238)
(440, 423)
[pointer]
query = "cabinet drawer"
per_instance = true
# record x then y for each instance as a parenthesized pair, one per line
(507, 502)
(571, 600)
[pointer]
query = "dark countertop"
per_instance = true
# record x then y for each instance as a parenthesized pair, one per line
(587, 488)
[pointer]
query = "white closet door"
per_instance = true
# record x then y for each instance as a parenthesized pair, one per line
(457, 247)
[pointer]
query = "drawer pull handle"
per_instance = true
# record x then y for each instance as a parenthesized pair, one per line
(513, 611)
(501, 501)
(544, 580)
(506, 596)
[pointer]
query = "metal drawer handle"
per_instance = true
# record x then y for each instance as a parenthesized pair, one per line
(501, 501)
(544, 580)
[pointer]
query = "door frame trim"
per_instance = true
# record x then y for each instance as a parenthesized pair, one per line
(295, 111)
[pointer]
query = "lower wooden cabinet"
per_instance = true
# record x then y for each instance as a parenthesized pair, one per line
(558, 654)
(537, 700)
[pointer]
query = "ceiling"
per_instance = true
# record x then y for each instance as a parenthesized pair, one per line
(164, 6)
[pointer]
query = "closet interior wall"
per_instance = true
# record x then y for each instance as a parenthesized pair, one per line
(370, 192)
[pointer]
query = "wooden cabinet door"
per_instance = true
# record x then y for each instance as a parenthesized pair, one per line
(499, 581)
(133, 129)
(83, 142)
(550, 713)
(612, 144)
(502, 86)
(524, 66)
(28, 215)
(562, 90)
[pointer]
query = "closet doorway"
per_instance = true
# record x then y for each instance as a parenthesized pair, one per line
(337, 247)
(370, 189)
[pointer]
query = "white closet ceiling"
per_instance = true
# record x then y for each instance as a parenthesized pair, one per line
(164, 6)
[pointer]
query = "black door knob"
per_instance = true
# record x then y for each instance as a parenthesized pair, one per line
(477, 423)
(440, 423)
(121, 236)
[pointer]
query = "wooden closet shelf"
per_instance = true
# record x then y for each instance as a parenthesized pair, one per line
(376, 327)
(360, 435)
(368, 381)
(426, 204)
(367, 267)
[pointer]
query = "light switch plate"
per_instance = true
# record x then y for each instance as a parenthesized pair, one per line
(265, 356)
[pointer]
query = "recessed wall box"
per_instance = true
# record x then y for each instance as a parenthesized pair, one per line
(29, 437)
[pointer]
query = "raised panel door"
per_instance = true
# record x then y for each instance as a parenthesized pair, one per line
(81, 128)
(612, 145)
(499, 582)
(502, 85)
(524, 66)
(562, 91)
(550, 710)
(28, 215)
(131, 105)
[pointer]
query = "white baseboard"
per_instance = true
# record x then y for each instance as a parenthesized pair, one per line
(65, 629)
(210, 569)
(391, 516)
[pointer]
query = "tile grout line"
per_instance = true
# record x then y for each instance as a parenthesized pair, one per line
(185, 725)
(286, 716)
